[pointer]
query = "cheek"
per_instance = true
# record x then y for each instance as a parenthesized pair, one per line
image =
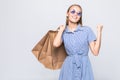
(69, 16)
(79, 17)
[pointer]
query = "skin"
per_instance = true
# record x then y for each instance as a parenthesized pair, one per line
(72, 24)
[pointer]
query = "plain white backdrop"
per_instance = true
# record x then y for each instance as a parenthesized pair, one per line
(24, 22)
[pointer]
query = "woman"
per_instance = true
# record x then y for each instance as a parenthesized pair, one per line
(77, 40)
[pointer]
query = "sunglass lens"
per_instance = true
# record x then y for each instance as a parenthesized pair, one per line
(79, 14)
(73, 12)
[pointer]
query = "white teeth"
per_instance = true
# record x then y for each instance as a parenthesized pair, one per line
(74, 17)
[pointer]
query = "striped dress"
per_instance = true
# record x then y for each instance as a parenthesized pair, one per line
(77, 65)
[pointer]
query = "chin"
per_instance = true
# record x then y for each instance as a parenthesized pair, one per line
(74, 21)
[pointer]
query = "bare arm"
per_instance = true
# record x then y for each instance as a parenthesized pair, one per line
(95, 45)
(58, 39)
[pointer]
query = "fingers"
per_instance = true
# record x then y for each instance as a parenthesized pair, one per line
(61, 27)
(99, 27)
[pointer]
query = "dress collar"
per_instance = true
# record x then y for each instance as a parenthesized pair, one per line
(78, 28)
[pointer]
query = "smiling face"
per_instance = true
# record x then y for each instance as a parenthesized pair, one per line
(74, 14)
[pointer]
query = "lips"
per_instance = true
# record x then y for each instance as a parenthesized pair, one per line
(74, 17)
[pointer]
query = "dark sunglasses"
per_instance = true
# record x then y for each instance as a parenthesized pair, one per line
(73, 12)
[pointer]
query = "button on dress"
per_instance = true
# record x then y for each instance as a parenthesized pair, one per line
(77, 65)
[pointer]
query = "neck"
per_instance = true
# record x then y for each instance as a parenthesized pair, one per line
(72, 25)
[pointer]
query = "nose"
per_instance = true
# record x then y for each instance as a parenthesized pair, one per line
(76, 13)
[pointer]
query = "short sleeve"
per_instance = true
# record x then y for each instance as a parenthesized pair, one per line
(91, 35)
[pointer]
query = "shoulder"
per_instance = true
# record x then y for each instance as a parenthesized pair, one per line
(86, 28)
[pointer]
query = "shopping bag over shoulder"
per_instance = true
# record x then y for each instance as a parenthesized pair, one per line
(48, 55)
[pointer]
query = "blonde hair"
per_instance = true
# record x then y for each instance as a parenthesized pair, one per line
(80, 21)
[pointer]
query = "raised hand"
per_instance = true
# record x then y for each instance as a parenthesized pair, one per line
(99, 28)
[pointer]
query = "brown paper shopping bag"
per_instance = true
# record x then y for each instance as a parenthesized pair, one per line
(48, 55)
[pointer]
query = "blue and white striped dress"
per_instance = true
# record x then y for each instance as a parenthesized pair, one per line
(77, 65)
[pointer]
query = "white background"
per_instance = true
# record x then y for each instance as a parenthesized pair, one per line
(24, 22)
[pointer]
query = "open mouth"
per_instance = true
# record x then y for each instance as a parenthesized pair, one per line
(74, 17)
